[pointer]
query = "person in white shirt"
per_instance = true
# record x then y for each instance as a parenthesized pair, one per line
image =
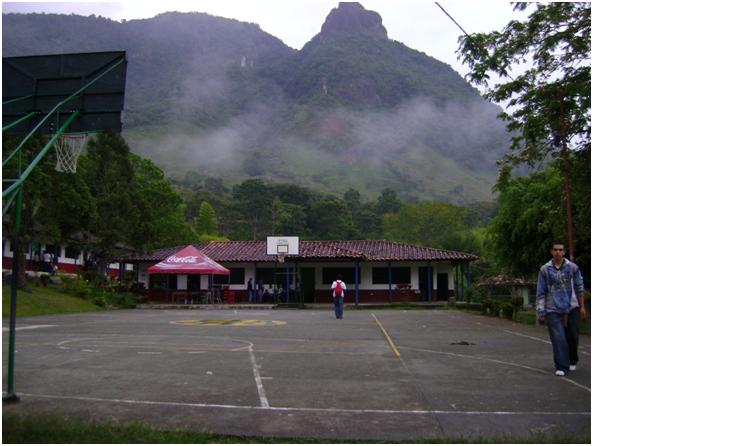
(338, 295)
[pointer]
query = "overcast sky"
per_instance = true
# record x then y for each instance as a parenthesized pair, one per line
(420, 25)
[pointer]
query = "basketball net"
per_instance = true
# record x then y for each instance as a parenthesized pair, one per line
(281, 257)
(68, 148)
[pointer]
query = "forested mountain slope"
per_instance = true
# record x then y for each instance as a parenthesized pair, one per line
(353, 108)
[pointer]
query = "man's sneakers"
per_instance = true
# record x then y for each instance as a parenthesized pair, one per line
(572, 367)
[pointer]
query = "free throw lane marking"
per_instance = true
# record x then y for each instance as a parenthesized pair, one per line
(387, 337)
(258, 380)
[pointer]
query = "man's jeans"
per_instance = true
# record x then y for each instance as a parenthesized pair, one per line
(339, 305)
(564, 339)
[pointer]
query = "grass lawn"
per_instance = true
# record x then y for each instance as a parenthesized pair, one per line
(56, 429)
(45, 300)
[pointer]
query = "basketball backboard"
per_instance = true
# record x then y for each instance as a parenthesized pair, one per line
(39, 83)
(283, 246)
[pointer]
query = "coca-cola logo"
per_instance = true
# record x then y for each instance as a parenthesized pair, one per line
(187, 259)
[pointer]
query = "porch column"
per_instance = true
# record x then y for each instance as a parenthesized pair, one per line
(357, 283)
(390, 283)
(469, 275)
(288, 283)
(429, 282)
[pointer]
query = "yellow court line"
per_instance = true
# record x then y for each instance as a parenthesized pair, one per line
(385, 333)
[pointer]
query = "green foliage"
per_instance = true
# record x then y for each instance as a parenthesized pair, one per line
(525, 317)
(426, 223)
(160, 209)
(352, 100)
(76, 287)
(388, 202)
(206, 238)
(206, 222)
(556, 39)
(330, 219)
(45, 300)
(50, 429)
(531, 217)
(473, 294)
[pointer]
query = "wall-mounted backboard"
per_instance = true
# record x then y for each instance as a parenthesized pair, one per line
(40, 83)
(279, 245)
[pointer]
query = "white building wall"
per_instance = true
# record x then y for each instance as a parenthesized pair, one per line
(366, 274)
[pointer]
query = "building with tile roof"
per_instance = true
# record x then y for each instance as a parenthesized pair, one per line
(374, 271)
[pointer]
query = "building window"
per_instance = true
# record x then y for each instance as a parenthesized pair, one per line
(265, 275)
(329, 275)
(400, 274)
(237, 276)
(163, 281)
(72, 252)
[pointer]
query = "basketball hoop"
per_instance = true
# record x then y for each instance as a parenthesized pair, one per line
(281, 257)
(68, 148)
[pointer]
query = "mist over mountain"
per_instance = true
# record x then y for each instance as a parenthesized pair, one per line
(352, 108)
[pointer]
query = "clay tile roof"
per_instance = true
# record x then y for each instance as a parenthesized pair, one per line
(364, 250)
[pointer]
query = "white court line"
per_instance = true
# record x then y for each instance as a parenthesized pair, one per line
(258, 380)
(497, 361)
(28, 327)
(545, 341)
(306, 409)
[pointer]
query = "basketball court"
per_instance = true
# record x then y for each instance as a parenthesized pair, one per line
(376, 374)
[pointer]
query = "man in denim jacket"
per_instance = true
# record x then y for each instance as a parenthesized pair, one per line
(560, 304)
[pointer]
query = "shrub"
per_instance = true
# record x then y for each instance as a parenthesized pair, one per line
(492, 307)
(472, 294)
(122, 300)
(505, 309)
(76, 287)
(525, 317)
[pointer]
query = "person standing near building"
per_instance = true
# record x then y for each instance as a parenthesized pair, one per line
(560, 304)
(338, 295)
(261, 291)
(47, 261)
(251, 294)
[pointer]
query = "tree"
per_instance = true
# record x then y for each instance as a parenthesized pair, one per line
(206, 222)
(530, 218)
(425, 223)
(557, 39)
(352, 197)
(388, 201)
(252, 208)
(329, 219)
(161, 219)
(550, 101)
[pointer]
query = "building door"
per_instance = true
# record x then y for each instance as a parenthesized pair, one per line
(425, 287)
(308, 284)
(442, 286)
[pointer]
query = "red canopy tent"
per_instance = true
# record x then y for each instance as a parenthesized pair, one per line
(188, 261)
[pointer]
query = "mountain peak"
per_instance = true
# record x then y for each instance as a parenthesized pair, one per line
(350, 18)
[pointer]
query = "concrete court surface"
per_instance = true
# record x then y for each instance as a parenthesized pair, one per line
(391, 375)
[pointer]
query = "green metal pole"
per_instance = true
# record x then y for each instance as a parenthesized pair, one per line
(10, 395)
(39, 157)
(19, 120)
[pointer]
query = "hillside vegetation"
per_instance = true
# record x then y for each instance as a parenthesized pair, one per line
(352, 109)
